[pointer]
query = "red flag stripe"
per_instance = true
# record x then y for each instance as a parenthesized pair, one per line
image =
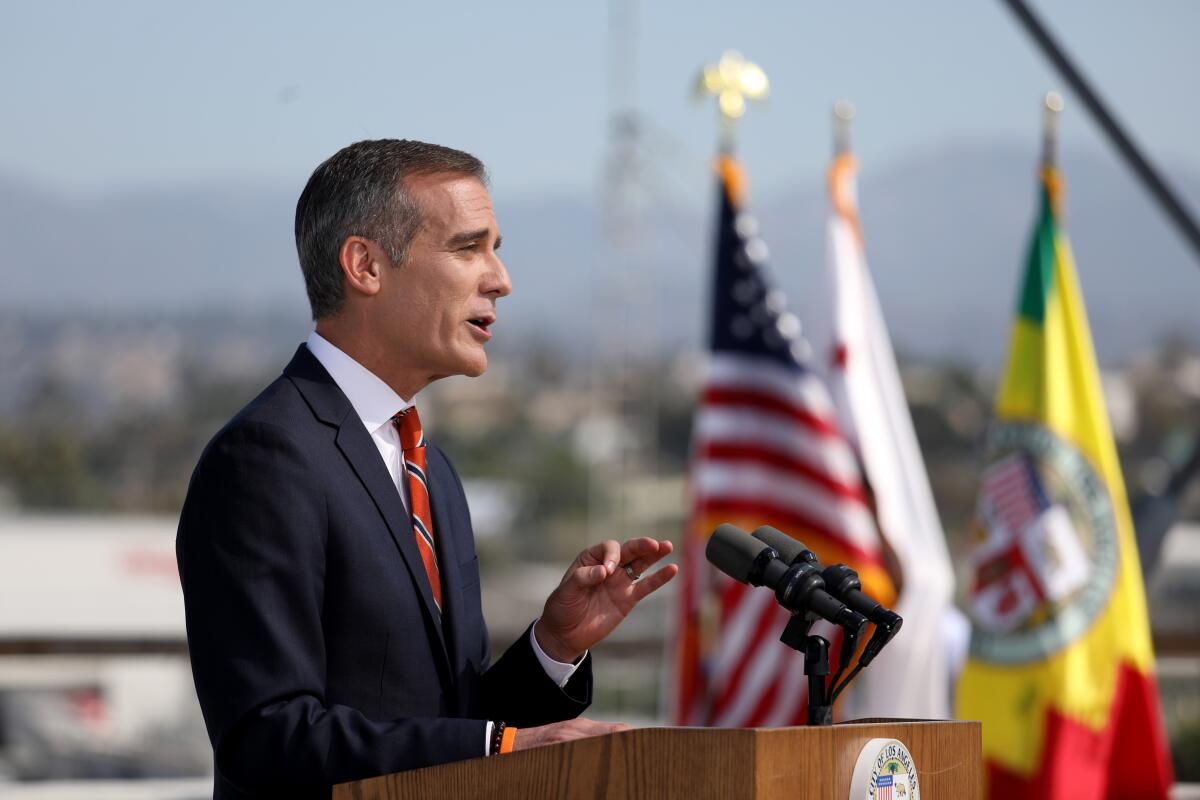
(791, 520)
(778, 489)
(757, 678)
(766, 701)
(732, 596)
(731, 680)
(740, 624)
(792, 693)
(750, 453)
(762, 401)
(777, 434)
(794, 383)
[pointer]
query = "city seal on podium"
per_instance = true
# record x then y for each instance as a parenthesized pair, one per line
(885, 770)
(1044, 555)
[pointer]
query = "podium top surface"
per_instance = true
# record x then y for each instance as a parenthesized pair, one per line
(691, 763)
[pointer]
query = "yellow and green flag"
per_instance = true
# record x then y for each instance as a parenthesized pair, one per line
(1061, 671)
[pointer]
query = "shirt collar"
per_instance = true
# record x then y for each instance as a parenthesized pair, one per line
(373, 400)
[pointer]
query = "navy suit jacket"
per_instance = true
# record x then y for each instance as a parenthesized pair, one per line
(318, 654)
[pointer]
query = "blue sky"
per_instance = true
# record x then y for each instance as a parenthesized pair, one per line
(103, 95)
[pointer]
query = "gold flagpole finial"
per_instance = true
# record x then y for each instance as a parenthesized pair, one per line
(732, 80)
(843, 117)
(1053, 106)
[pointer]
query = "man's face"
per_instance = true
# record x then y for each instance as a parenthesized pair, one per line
(441, 302)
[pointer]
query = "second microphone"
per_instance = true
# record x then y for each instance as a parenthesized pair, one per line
(798, 586)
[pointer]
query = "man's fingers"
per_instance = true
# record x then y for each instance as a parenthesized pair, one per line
(603, 559)
(638, 548)
(612, 556)
(589, 576)
(654, 581)
(638, 565)
(565, 731)
(594, 728)
(607, 554)
(640, 553)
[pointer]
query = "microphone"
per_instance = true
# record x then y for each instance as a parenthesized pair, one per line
(842, 582)
(798, 587)
(790, 550)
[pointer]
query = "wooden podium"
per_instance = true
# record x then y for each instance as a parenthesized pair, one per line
(695, 763)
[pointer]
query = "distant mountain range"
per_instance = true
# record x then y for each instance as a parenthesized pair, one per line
(946, 235)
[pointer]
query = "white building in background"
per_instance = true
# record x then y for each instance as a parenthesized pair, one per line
(94, 677)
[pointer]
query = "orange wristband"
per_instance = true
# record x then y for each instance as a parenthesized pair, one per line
(510, 737)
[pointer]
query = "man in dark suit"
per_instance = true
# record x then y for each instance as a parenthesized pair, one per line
(325, 550)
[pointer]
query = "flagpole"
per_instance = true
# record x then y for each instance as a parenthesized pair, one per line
(843, 118)
(1053, 106)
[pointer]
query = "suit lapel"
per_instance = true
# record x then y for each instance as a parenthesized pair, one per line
(359, 449)
(330, 405)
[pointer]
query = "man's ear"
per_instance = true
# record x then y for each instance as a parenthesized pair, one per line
(362, 263)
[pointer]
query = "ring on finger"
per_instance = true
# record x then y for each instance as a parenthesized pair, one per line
(633, 576)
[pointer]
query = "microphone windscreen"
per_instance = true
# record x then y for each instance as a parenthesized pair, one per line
(732, 550)
(789, 548)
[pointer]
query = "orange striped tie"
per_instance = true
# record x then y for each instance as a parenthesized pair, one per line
(412, 442)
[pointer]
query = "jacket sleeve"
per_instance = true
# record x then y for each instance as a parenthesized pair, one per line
(251, 552)
(515, 688)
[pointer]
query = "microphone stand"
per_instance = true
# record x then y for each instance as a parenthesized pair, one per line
(815, 648)
(799, 586)
(816, 667)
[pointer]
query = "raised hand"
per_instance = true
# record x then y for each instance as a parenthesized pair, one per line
(598, 591)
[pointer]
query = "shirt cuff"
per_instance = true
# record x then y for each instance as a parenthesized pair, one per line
(487, 738)
(557, 671)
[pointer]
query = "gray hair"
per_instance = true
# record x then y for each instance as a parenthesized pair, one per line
(359, 191)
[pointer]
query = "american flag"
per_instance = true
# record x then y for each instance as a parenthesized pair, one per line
(766, 451)
(883, 787)
(1012, 493)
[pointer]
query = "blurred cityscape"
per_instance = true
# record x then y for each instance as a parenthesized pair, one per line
(103, 419)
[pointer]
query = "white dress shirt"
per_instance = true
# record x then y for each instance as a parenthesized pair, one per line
(376, 403)
(373, 400)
